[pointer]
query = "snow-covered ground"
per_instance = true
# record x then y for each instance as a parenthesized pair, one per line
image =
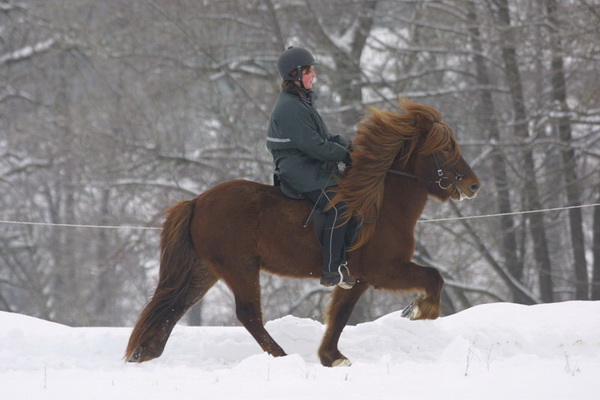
(495, 351)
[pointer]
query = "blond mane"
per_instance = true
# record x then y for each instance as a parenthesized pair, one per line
(381, 137)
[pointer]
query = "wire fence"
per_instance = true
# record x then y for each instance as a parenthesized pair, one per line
(544, 210)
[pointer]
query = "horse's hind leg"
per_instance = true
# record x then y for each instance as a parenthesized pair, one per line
(202, 281)
(245, 285)
(338, 312)
(167, 305)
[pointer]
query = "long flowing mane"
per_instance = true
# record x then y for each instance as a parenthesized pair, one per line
(384, 137)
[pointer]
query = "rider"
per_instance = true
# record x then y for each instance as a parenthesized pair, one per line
(306, 158)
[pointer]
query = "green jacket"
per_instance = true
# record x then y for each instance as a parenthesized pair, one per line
(304, 153)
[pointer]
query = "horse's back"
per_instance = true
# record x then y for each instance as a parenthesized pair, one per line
(237, 201)
(242, 223)
(232, 204)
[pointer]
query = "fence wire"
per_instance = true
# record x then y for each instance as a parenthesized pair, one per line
(8, 222)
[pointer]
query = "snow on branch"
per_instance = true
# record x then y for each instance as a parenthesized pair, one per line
(28, 51)
(11, 92)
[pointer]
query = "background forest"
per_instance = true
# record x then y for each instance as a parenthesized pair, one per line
(111, 111)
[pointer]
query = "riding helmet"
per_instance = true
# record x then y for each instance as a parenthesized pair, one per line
(293, 59)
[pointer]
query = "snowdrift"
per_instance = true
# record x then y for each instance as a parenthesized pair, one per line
(493, 351)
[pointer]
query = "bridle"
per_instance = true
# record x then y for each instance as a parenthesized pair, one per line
(443, 181)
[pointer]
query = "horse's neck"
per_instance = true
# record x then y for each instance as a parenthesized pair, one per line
(403, 201)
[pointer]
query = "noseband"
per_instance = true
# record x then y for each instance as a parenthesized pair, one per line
(443, 182)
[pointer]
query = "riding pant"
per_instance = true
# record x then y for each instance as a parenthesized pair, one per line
(337, 236)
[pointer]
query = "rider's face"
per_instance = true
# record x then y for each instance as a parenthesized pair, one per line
(308, 77)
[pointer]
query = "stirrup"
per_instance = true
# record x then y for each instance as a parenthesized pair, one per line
(341, 278)
(346, 280)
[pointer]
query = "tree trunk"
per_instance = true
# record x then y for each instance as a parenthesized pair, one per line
(104, 304)
(348, 72)
(596, 250)
(530, 186)
(559, 95)
(485, 113)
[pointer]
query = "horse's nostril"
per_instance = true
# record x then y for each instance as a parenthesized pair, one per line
(474, 187)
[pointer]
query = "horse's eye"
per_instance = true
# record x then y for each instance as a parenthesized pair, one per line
(446, 149)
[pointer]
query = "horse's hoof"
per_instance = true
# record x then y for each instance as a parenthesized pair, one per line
(341, 362)
(406, 311)
(139, 355)
(135, 357)
(411, 311)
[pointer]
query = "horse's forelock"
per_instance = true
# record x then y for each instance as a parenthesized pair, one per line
(437, 134)
(440, 137)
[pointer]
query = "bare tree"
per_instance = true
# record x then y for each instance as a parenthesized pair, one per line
(112, 111)
(573, 190)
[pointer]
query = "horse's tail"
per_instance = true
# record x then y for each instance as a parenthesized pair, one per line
(177, 261)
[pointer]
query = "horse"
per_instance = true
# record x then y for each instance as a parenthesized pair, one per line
(238, 228)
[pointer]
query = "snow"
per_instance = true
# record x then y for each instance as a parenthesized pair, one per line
(28, 51)
(494, 351)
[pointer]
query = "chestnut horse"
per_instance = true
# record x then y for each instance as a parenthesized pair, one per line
(238, 228)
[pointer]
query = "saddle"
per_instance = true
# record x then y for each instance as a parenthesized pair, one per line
(289, 193)
(317, 216)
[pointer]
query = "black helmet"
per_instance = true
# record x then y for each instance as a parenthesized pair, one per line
(293, 59)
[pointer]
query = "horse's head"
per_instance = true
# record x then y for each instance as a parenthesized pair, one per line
(416, 144)
(436, 158)
(442, 167)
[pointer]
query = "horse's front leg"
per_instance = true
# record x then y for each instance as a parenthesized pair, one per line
(411, 277)
(338, 312)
